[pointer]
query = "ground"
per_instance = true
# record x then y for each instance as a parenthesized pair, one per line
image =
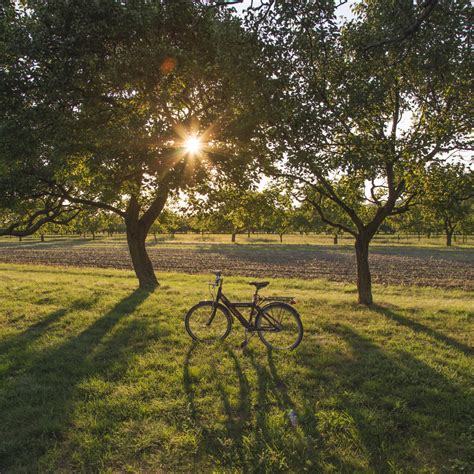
(423, 263)
(98, 376)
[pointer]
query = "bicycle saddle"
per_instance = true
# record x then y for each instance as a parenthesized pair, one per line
(259, 284)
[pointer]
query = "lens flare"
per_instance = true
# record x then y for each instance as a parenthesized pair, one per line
(192, 145)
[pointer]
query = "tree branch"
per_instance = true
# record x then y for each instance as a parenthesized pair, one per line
(150, 215)
(428, 7)
(328, 221)
(32, 225)
(329, 193)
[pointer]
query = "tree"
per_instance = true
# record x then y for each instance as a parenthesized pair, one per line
(171, 222)
(224, 206)
(355, 125)
(91, 221)
(304, 219)
(279, 216)
(97, 99)
(415, 221)
(447, 195)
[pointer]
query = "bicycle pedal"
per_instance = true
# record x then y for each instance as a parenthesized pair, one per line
(244, 344)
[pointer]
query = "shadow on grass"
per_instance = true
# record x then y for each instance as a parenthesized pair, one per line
(361, 406)
(255, 434)
(236, 415)
(36, 404)
(38, 245)
(16, 345)
(56, 268)
(417, 327)
(400, 406)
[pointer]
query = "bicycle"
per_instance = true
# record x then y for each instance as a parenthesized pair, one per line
(274, 319)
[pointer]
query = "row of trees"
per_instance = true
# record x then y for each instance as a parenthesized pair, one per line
(445, 207)
(98, 97)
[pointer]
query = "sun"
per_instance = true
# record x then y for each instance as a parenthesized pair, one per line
(192, 145)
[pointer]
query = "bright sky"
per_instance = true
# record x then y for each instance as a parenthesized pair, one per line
(344, 10)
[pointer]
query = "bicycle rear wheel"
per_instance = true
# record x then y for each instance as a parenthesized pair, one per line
(203, 327)
(279, 326)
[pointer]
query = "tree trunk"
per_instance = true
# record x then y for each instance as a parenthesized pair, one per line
(93, 235)
(449, 231)
(248, 234)
(140, 259)
(335, 239)
(281, 238)
(42, 237)
(233, 237)
(449, 238)
(364, 283)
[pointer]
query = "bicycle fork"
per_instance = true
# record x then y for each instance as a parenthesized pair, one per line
(213, 314)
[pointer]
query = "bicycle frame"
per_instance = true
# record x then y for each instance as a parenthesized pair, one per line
(232, 307)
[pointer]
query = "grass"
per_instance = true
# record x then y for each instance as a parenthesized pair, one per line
(402, 240)
(98, 376)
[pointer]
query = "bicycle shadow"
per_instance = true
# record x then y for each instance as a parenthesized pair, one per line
(38, 396)
(216, 390)
(254, 411)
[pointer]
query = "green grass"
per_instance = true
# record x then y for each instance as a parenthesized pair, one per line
(401, 240)
(98, 376)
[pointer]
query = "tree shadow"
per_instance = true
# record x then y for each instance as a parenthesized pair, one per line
(37, 402)
(38, 268)
(15, 345)
(48, 244)
(418, 327)
(397, 403)
(236, 415)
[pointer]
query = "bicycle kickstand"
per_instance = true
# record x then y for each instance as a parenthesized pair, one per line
(245, 342)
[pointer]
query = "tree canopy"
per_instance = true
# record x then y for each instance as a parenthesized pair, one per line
(98, 98)
(359, 117)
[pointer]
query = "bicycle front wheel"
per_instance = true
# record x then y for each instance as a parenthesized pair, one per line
(279, 326)
(208, 322)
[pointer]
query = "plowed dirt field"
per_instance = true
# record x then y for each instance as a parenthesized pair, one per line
(448, 268)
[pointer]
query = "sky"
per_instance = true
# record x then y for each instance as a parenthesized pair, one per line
(344, 10)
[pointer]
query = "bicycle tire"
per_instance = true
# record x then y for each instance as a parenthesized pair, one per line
(195, 326)
(265, 321)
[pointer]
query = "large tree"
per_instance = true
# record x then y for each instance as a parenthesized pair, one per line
(364, 105)
(98, 98)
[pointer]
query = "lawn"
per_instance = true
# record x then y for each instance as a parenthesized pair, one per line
(402, 240)
(98, 376)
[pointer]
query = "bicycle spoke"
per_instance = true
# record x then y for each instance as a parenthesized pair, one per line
(280, 327)
(205, 326)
